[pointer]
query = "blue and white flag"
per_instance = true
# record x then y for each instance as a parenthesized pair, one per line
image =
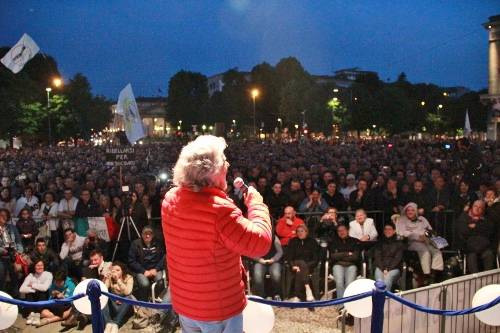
(127, 107)
(20, 54)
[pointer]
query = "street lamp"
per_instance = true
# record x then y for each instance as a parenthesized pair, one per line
(48, 90)
(57, 82)
(255, 93)
(422, 103)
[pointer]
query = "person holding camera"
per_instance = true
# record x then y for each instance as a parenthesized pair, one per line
(121, 283)
(29, 201)
(328, 225)
(49, 214)
(10, 244)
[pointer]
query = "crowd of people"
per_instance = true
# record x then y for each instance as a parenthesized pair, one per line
(328, 201)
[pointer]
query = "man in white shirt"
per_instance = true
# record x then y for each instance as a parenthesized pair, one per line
(363, 228)
(67, 208)
(27, 201)
(72, 251)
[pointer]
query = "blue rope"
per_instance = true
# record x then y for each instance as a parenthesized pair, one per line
(41, 304)
(316, 304)
(285, 304)
(442, 312)
(159, 306)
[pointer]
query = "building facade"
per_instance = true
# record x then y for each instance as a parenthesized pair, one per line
(153, 114)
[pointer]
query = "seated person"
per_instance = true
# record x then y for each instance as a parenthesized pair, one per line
(62, 287)
(35, 288)
(97, 269)
(328, 225)
(72, 252)
(302, 254)
(414, 228)
(476, 234)
(270, 263)
(287, 225)
(345, 256)
(388, 255)
(146, 261)
(27, 229)
(314, 203)
(10, 243)
(49, 257)
(363, 227)
(121, 283)
(92, 242)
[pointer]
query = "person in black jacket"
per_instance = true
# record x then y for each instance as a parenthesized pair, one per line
(27, 229)
(345, 255)
(276, 200)
(387, 255)
(49, 257)
(476, 234)
(302, 254)
(333, 197)
(146, 261)
(362, 198)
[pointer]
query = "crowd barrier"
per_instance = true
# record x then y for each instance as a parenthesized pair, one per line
(456, 293)
(378, 294)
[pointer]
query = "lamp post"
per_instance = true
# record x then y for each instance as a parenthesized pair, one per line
(255, 93)
(56, 82)
(48, 90)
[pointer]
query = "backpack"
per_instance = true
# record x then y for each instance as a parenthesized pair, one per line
(155, 321)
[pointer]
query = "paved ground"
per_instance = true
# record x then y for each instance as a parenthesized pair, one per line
(287, 321)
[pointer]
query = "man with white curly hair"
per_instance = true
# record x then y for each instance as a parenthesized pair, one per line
(206, 235)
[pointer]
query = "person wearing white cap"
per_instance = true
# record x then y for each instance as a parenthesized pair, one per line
(414, 227)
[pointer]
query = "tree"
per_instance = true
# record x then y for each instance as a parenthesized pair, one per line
(187, 98)
(265, 78)
(33, 119)
(21, 89)
(91, 112)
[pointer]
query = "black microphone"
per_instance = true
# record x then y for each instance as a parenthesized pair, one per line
(239, 184)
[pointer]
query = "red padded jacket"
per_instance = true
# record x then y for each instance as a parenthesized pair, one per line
(206, 235)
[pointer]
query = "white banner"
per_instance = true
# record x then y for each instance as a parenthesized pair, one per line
(20, 54)
(100, 226)
(127, 107)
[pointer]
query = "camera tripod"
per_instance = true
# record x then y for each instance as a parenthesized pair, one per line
(129, 221)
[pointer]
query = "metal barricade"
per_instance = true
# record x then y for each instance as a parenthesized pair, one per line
(453, 294)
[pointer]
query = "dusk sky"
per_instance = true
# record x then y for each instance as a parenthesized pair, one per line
(146, 42)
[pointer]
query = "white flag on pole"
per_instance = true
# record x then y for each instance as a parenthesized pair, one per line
(20, 54)
(467, 129)
(127, 107)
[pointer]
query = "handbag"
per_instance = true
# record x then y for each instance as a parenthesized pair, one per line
(22, 263)
(438, 242)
